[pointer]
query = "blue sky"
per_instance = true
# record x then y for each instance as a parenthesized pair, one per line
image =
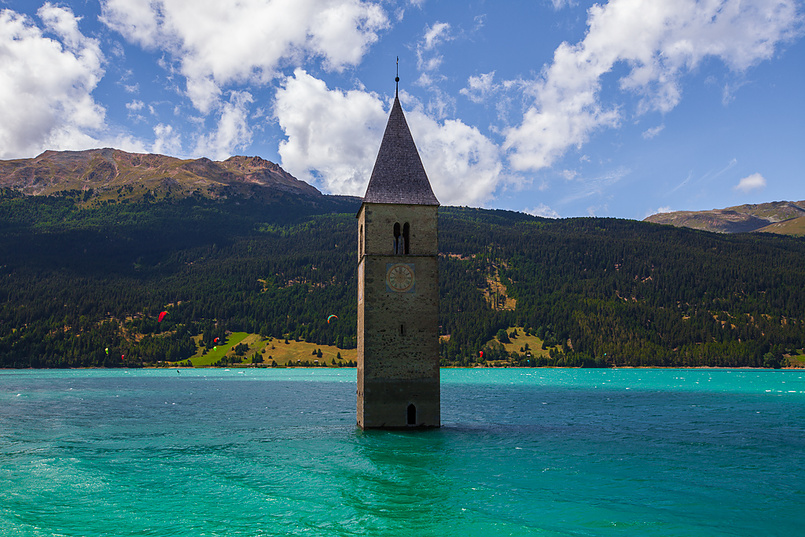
(558, 108)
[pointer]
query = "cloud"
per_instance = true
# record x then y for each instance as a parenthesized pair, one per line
(559, 4)
(463, 165)
(233, 130)
(428, 60)
(586, 187)
(332, 139)
(215, 44)
(648, 134)
(46, 93)
(440, 104)
(480, 88)
(543, 211)
(435, 35)
(166, 142)
(134, 107)
(332, 136)
(751, 182)
(659, 210)
(657, 42)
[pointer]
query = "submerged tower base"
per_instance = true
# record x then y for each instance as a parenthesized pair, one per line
(394, 404)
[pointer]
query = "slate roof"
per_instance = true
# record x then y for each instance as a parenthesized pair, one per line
(398, 175)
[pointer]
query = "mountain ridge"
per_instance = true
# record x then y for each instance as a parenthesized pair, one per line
(108, 175)
(782, 217)
(113, 174)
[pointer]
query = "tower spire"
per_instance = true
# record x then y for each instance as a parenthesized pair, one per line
(398, 175)
(397, 79)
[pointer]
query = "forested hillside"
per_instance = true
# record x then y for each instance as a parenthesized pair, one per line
(77, 281)
(621, 292)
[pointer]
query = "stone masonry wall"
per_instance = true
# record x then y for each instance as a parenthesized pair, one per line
(398, 339)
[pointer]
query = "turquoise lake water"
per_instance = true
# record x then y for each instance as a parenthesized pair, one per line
(521, 452)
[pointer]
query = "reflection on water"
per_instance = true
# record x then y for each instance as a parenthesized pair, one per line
(403, 482)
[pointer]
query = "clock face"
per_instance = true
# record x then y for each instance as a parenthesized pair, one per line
(400, 277)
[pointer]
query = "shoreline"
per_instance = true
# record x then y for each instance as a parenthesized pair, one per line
(248, 366)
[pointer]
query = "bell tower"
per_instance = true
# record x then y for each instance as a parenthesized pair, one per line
(398, 288)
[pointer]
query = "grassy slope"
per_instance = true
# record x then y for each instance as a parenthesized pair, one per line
(794, 227)
(272, 349)
(534, 343)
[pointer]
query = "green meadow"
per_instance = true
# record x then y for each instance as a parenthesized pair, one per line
(240, 348)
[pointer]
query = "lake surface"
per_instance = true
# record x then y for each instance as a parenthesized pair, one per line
(713, 452)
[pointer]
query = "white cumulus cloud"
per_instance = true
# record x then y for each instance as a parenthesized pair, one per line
(332, 139)
(48, 75)
(166, 142)
(462, 164)
(233, 130)
(215, 43)
(332, 136)
(658, 42)
(751, 182)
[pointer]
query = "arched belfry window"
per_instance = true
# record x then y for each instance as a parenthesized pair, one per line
(360, 240)
(397, 240)
(411, 414)
(406, 236)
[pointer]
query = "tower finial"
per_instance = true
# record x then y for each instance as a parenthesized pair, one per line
(397, 79)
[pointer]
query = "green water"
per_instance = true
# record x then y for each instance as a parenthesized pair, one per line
(522, 452)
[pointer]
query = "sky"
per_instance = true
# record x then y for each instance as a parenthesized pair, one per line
(557, 108)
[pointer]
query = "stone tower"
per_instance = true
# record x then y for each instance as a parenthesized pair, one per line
(398, 288)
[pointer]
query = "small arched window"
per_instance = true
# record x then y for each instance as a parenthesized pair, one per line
(406, 239)
(397, 241)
